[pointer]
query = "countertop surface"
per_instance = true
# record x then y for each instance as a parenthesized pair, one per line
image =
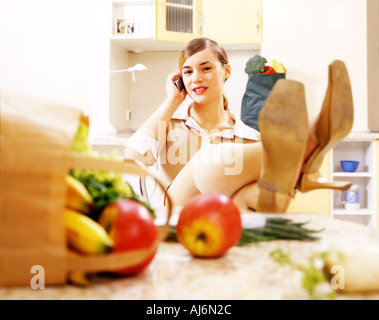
(246, 272)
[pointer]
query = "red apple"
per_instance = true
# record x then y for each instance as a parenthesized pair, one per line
(131, 226)
(209, 225)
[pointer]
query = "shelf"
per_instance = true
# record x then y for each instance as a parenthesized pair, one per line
(353, 174)
(360, 212)
(362, 136)
(138, 43)
(360, 147)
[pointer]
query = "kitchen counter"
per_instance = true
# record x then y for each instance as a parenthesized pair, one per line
(112, 139)
(243, 273)
(122, 139)
(362, 135)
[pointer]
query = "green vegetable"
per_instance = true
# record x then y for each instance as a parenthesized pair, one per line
(105, 187)
(255, 64)
(80, 142)
(313, 275)
(282, 258)
(105, 191)
(274, 229)
(171, 237)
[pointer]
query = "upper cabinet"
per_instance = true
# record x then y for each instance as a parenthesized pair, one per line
(237, 22)
(178, 21)
(165, 25)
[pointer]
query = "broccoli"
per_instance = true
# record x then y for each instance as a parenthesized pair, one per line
(255, 64)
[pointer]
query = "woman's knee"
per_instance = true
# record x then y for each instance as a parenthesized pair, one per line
(228, 156)
(214, 165)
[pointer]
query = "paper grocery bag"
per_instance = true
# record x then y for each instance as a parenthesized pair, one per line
(35, 156)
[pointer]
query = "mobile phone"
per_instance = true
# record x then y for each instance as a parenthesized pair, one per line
(179, 83)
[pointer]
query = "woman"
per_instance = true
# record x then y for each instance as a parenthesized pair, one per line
(203, 147)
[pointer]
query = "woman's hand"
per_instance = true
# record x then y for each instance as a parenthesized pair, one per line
(171, 89)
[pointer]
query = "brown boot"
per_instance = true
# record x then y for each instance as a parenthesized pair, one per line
(333, 124)
(283, 123)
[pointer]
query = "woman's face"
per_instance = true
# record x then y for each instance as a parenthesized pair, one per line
(204, 76)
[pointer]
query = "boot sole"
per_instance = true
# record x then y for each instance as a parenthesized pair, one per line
(283, 122)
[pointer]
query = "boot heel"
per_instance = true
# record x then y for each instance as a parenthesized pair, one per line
(313, 181)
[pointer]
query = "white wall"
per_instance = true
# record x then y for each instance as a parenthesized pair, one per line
(307, 35)
(46, 50)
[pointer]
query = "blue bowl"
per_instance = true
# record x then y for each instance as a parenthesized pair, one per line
(349, 166)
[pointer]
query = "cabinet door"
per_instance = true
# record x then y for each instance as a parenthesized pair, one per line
(233, 22)
(179, 20)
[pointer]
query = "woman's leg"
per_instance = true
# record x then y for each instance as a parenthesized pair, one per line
(277, 160)
(204, 174)
(222, 168)
(238, 180)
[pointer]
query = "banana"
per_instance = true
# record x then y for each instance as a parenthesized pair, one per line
(107, 217)
(278, 67)
(77, 196)
(80, 278)
(86, 235)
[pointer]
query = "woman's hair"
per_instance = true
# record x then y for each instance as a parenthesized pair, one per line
(199, 44)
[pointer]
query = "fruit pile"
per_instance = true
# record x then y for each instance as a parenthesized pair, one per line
(258, 64)
(122, 226)
(103, 214)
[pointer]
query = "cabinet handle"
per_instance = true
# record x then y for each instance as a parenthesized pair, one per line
(258, 22)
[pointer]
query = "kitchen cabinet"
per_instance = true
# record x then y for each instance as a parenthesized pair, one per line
(360, 148)
(237, 22)
(155, 25)
(165, 25)
(178, 21)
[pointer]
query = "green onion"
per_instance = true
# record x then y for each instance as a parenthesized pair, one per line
(274, 229)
